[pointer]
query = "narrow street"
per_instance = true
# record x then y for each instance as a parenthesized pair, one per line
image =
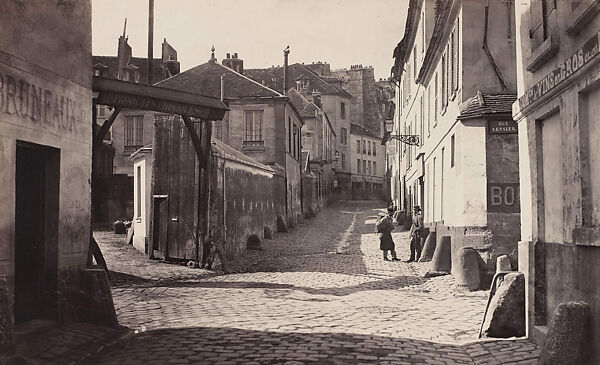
(318, 294)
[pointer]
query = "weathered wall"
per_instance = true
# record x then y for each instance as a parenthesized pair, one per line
(477, 70)
(45, 98)
(559, 174)
(265, 154)
(122, 163)
(242, 204)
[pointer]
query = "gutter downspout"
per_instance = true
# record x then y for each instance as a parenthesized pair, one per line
(486, 49)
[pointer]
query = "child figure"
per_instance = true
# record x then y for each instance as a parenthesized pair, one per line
(385, 226)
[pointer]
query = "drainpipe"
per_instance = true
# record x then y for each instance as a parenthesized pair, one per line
(222, 88)
(486, 49)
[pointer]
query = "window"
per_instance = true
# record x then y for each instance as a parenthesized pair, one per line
(539, 14)
(421, 122)
(368, 147)
(452, 62)
(415, 61)
(452, 150)
(457, 46)
(358, 166)
(364, 145)
(369, 172)
(435, 110)
(134, 131)
(358, 146)
(444, 76)
(139, 192)
(374, 168)
(343, 110)
(253, 121)
(295, 152)
(364, 167)
(289, 146)
(374, 149)
(428, 112)
(344, 136)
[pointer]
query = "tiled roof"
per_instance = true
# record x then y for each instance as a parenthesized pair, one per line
(112, 62)
(486, 104)
(205, 79)
(227, 152)
(305, 107)
(360, 130)
(273, 78)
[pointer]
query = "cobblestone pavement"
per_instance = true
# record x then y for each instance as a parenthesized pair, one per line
(321, 293)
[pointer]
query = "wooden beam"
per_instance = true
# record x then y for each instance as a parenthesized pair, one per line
(106, 126)
(195, 139)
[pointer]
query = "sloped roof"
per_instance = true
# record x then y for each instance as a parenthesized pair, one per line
(205, 79)
(482, 105)
(273, 78)
(227, 152)
(362, 131)
(112, 63)
(305, 107)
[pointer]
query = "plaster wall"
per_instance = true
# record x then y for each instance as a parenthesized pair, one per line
(332, 106)
(122, 164)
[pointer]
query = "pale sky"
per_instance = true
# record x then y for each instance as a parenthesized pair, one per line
(341, 32)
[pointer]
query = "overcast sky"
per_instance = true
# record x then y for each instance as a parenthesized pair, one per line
(341, 32)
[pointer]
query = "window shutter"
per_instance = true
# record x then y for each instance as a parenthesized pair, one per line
(457, 53)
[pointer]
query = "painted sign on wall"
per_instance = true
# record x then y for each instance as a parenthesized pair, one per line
(503, 198)
(502, 126)
(564, 70)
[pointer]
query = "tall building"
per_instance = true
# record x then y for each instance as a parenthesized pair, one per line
(456, 82)
(558, 114)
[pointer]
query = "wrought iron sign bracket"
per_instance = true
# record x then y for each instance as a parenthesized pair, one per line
(409, 139)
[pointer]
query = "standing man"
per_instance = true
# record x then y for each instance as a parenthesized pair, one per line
(385, 226)
(416, 233)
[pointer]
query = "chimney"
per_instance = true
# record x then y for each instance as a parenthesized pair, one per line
(316, 96)
(123, 53)
(286, 52)
(228, 55)
(169, 59)
(234, 63)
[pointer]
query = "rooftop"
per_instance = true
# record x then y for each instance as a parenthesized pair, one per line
(482, 105)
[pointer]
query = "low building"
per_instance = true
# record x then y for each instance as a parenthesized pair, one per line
(46, 159)
(558, 115)
(142, 193)
(368, 164)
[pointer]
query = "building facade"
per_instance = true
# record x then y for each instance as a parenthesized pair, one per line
(368, 164)
(316, 80)
(558, 118)
(253, 125)
(46, 158)
(132, 130)
(457, 82)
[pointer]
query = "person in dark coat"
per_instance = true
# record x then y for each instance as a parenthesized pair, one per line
(385, 226)
(416, 233)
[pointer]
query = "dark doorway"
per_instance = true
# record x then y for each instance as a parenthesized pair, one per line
(36, 232)
(160, 221)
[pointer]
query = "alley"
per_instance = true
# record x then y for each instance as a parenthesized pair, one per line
(321, 293)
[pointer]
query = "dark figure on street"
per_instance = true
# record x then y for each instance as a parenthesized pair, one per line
(416, 234)
(385, 226)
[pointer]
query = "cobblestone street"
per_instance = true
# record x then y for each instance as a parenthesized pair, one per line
(321, 294)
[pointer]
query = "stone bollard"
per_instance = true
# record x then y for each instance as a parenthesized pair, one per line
(442, 257)
(503, 263)
(567, 341)
(465, 269)
(267, 233)
(505, 316)
(281, 224)
(428, 248)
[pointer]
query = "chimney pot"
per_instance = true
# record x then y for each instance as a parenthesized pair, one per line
(228, 55)
(235, 55)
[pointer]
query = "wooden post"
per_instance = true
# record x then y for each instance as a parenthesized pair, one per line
(195, 139)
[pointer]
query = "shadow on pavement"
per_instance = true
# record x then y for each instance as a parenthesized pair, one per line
(205, 345)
